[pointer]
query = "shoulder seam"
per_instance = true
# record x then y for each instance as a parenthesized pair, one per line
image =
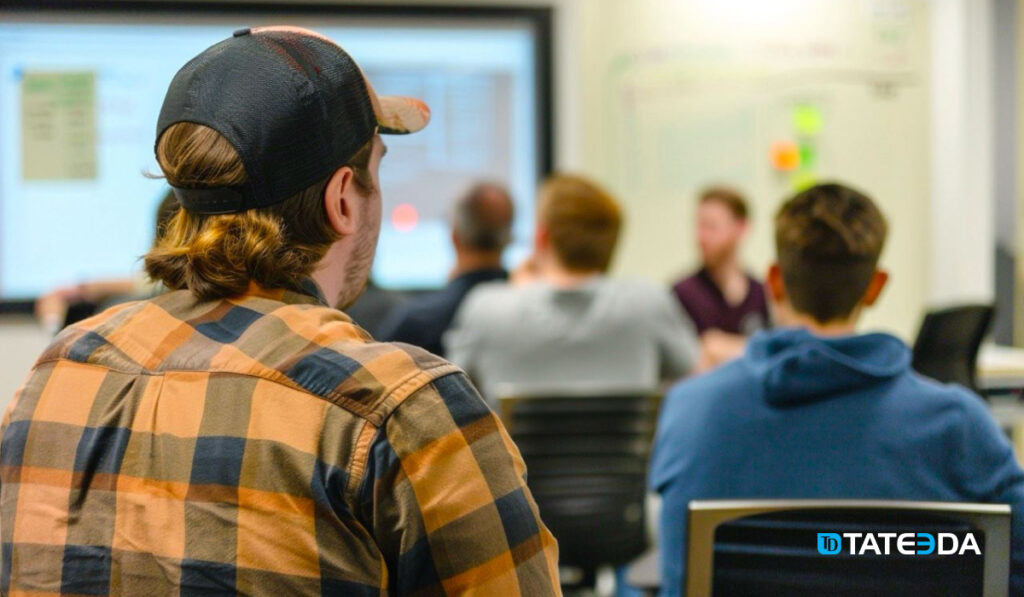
(357, 464)
(403, 389)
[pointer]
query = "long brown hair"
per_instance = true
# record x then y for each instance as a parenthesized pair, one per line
(217, 256)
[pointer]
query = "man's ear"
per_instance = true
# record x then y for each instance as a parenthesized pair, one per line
(340, 199)
(540, 239)
(875, 286)
(773, 281)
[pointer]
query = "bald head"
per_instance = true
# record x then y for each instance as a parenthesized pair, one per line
(482, 219)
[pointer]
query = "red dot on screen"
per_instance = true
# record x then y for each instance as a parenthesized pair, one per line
(404, 217)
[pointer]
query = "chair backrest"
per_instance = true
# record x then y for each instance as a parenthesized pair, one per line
(586, 460)
(773, 547)
(947, 344)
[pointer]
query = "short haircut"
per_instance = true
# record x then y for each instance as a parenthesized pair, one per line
(479, 223)
(582, 220)
(731, 198)
(828, 239)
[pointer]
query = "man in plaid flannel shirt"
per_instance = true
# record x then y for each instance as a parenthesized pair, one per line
(238, 435)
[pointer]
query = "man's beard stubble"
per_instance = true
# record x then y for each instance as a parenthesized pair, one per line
(358, 272)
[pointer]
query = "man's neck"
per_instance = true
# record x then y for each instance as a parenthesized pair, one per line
(558, 275)
(466, 262)
(727, 270)
(730, 279)
(839, 327)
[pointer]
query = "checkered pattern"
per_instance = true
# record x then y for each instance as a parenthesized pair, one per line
(262, 445)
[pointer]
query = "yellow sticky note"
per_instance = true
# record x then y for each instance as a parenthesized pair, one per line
(807, 119)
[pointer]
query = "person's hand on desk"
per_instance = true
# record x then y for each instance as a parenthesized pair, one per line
(718, 347)
(52, 307)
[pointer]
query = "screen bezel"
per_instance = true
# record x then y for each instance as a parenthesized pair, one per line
(538, 18)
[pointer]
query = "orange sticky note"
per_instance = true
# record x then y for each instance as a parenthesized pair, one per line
(785, 156)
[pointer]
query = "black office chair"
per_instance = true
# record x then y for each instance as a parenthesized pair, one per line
(766, 548)
(947, 344)
(586, 460)
(79, 311)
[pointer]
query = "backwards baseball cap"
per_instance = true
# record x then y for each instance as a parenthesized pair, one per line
(292, 103)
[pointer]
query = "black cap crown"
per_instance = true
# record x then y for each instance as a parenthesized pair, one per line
(293, 104)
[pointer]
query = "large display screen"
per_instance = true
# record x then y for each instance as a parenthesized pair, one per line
(78, 110)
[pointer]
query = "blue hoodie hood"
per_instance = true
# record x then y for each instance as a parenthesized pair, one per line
(798, 367)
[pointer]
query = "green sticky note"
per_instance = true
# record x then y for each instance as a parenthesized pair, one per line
(808, 156)
(801, 181)
(807, 119)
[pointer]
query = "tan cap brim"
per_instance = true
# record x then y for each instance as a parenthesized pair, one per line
(397, 115)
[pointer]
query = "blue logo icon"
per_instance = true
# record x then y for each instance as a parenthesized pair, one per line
(829, 543)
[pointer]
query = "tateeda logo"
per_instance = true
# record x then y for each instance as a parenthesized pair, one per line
(908, 544)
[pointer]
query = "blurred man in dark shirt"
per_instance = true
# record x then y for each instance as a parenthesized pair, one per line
(481, 229)
(725, 302)
(374, 306)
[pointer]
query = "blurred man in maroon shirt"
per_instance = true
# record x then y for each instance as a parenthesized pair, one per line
(725, 302)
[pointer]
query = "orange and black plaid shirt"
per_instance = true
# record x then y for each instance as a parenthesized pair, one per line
(259, 445)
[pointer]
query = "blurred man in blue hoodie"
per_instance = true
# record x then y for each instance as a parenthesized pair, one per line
(814, 410)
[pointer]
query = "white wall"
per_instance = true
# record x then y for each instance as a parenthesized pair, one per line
(1019, 187)
(962, 185)
(21, 342)
(681, 93)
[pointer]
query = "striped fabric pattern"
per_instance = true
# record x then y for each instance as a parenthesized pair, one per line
(262, 445)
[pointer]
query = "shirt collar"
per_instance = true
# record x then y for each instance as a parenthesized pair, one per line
(480, 275)
(305, 292)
